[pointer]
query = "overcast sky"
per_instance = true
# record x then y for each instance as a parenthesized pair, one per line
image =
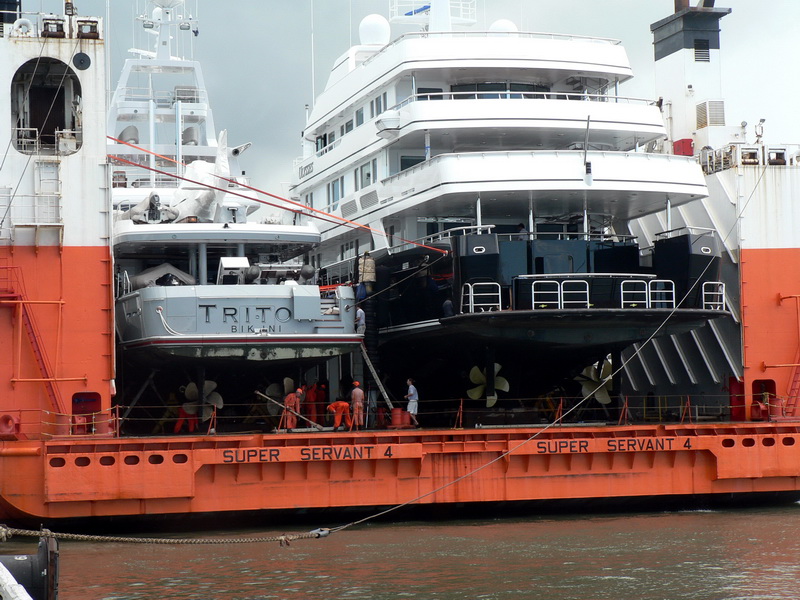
(257, 59)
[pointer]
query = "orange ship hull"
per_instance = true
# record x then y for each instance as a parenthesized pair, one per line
(162, 476)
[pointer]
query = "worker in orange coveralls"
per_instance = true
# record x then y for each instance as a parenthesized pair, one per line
(292, 401)
(339, 408)
(357, 403)
(310, 403)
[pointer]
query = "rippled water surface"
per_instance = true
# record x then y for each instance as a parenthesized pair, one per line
(753, 553)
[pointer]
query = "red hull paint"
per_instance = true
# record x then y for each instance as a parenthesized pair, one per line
(90, 478)
(67, 292)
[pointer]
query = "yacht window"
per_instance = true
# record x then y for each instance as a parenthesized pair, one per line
(348, 127)
(390, 236)
(331, 138)
(348, 250)
(366, 175)
(321, 142)
(368, 172)
(359, 117)
(491, 87)
(378, 105)
(406, 162)
(528, 90)
(426, 93)
(356, 180)
(702, 52)
(372, 109)
(464, 91)
(335, 190)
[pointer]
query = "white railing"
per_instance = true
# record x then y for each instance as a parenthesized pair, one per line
(519, 95)
(633, 293)
(552, 294)
(714, 295)
(482, 296)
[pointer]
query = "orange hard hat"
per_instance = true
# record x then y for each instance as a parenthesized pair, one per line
(299, 391)
(355, 383)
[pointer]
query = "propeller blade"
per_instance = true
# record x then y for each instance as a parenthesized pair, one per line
(490, 400)
(477, 376)
(191, 392)
(501, 383)
(476, 392)
(602, 396)
(214, 399)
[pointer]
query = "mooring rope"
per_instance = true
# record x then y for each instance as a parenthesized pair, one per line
(284, 540)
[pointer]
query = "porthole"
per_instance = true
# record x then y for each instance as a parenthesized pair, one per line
(131, 460)
(155, 459)
(107, 461)
(788, 441)
(728, 443)
(768, 442)
(82, 461)
(180, 459)
(57, 461)
(748, 442)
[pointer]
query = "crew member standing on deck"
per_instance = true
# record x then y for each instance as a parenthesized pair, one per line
(361, 321)
(291, 403)
(357, 404)
(413, 401)
(340, 408)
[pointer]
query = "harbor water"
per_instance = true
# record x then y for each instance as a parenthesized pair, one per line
(709, 555)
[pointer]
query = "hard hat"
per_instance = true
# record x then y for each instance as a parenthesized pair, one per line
(355, 383)
(299, 390)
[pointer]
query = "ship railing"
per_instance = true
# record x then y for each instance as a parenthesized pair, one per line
(441, 236)
(714, 295)
(455, 231)
(123, 284)
(164, 98)
(26, 139)
(571, 235)
(652, 293)
(686, 229)
(481, 296)
(35, 423)
(517, 95)
(33, 209)
(553, 294)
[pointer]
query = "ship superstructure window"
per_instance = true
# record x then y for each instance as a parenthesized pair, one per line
(348, 250)
(360, 117)
(335, 193)
(494, 90)
(378, 105)
(368, 172)
(46, 108)
(702, 52)
(429, 93)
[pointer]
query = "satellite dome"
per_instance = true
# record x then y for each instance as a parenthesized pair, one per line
(374, 30)
(503, 25)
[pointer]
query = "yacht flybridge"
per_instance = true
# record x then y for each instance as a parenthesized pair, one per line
(497, 172)
(203, 283)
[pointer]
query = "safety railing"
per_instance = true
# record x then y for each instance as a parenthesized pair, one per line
(714, 295)
(483, 296)
(552, 294)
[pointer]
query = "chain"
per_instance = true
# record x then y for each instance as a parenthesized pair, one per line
(284, 540)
